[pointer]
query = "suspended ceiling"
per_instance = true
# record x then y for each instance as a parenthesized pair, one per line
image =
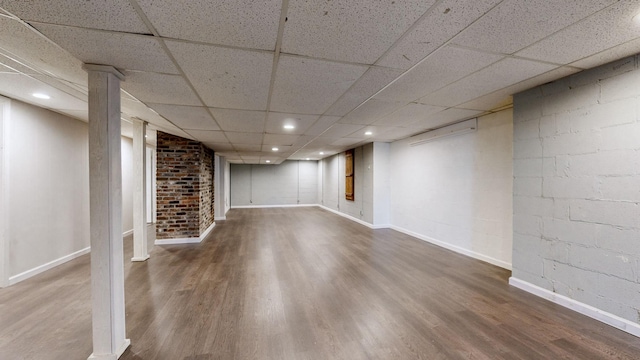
(232, 73)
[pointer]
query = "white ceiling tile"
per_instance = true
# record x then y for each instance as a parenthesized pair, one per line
(281, 149)
(78, 114)
(409, 113)
(321, 125)
(601, 31)
(358, 31)
(444, 118)
(368, 84)
(64, 86)
(606, 56)
(186, 117)
(346, 142)
(30, 48)
(280, 139)
(218, 147)
(20, 87)
(244, 138)
(276, 122)
(159, 88)
(240, 120)
(13, 65)
(371, 111)
(446, 20)
(397, 133)
(502, 97)
(341, 130)
(208, 136)
(309, 86)
(6, 69)
(441, 68)
(248, 147)
(226, 78)
(134, 52)
(515, 24)
(241, 23)
(497, 76)
(118, 15)
(135, 109)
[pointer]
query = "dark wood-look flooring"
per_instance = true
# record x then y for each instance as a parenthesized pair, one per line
(302, 283)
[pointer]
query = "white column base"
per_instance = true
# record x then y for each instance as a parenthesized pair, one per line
(140, 259)
(121, 350)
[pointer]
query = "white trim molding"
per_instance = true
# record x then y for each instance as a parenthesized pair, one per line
(207, 231)
(127, 233)
(584, 309)
(192, 240)
(458, 249)
(352, 218)
(221, 218)
(50, 265)
(271, 206)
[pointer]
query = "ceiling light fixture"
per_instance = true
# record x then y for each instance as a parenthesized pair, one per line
(268, 161)
(41, 96)
(321, 153)
(275, 149)
(289, 127)
(368, 133)
(308, 159)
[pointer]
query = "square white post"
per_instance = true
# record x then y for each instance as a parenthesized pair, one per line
(105, 184)
(140, 251)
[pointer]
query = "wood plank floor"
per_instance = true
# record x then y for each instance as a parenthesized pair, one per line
(302, 283)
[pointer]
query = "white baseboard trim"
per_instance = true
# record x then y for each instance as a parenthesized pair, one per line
(584, 309)
(50, 265)
(271, 206)
(177, 241)
(352, 218)
(193, 240)
(206, 232)
(127, 233)
(458, 249)
(140, 259)
(222, 218)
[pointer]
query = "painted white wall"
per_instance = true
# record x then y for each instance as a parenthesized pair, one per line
(457, 191)
(381, 183)
(577, 190)
(48, 205)
(288, 183)
(333, 184)
(126, 148)
(221, 193)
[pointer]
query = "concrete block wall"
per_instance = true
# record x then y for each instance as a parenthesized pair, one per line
(178, 176)
(576, 198)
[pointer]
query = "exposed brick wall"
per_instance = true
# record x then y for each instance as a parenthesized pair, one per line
(179, 176)
(206, 189)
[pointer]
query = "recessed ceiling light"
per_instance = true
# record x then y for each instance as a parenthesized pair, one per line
(41, 96)
(268, 161)
(275, 149)
(289, 127)
(368, 133)
(321, 153)
(308, 159)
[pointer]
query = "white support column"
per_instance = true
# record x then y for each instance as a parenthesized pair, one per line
(140, 252)
(105, 184)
